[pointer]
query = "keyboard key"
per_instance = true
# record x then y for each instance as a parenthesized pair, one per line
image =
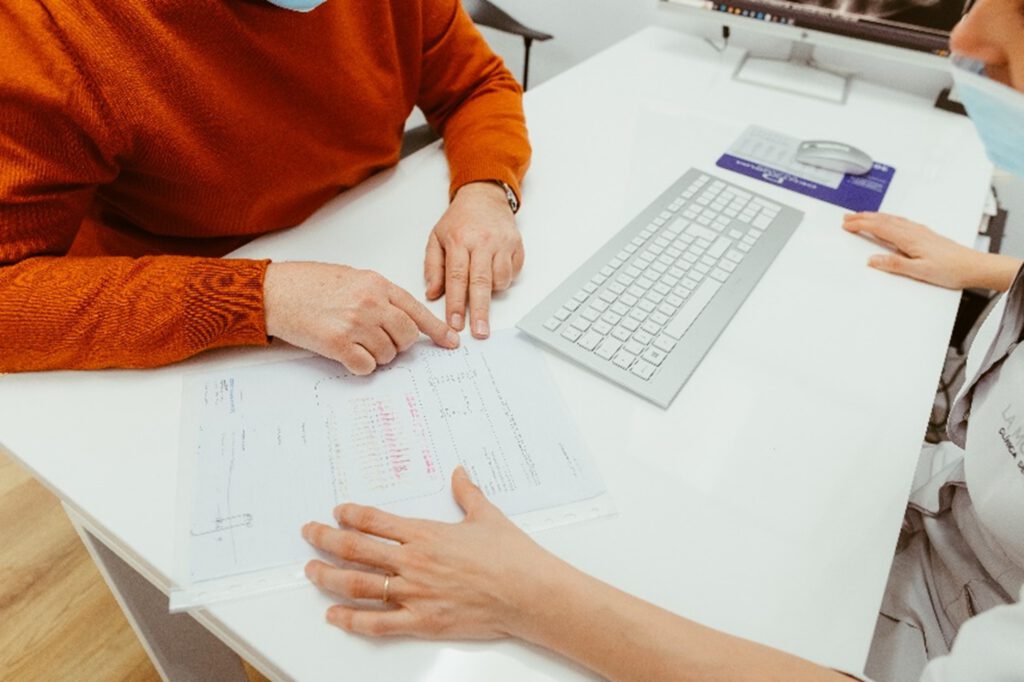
(563, 314)
(581, 296)
(608, 348)
(644, 282)
(553, 324)
(590, 340)
(650, 327)
(735, 234)
(700, 298)
(657, 320)
(662, 288)
(635, 347)
(607, 271)
(631, 271)
(599, 305)
(708, 260)
(643, 369)
(581, 323)
(619, 308)
(665, 343)
(660, 267)
(700, 244)
(589, 314)
(673, 300)
(611, 318)
(607, 296)
(743, 247)
(735, 255)
(695, 230)
(689, 283)
(638, 314)
(621, 333)
(572, 304)
(653, 355)
(762, 221)
(642, 336)
(617, 262)
(719, 247)
(690, 257)
(654, 297)
(667, 309)
(628, 299)
(623, 359)
(719, 274)
(571, 333)
(590, 287)
(616, 288)
(602, 327)
(703, 268)
(727, 265)
(646, 305)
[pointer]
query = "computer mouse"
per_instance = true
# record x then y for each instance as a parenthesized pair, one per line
(834, 156)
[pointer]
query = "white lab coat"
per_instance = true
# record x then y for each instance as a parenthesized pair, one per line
(954, 605)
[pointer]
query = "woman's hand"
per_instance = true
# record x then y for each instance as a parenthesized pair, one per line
(921, 253)
(924, 255)
(468, 580)
(473, 250)
(356, 317)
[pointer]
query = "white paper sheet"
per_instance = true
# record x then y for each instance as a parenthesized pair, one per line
(268, 447)
(778, 151)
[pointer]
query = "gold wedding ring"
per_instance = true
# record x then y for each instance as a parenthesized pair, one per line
(387, 584)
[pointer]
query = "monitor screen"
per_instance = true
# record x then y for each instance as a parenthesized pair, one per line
(916, 24)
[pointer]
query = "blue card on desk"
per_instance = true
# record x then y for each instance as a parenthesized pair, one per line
(770, 156)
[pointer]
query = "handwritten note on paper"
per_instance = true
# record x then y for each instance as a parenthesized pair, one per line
(270, 447)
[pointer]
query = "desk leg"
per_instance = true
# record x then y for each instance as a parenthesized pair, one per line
(181, 649)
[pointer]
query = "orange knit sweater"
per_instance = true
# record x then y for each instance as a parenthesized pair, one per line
(141, 140)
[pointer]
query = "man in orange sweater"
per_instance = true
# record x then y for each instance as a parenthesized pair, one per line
(140, 141)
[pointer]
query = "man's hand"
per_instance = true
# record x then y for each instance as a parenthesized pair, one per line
(473, 250)
(924, 255)
(353, 316)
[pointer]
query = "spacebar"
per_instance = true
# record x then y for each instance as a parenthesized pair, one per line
(694, 305)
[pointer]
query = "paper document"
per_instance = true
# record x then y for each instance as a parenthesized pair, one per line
(770, 156)
(267, 448)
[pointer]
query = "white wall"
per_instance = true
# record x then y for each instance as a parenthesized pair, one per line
(581, 29)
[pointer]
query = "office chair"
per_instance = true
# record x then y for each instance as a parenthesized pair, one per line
(483, 13)
(487, 14)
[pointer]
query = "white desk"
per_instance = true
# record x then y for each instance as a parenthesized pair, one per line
(766, 501)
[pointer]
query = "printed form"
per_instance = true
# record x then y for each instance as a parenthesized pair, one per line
(267, 448)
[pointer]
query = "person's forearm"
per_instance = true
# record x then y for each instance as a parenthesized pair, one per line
(93, 313)
(992, 271)
(625, 639)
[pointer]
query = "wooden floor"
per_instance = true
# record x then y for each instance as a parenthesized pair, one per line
(58, 620)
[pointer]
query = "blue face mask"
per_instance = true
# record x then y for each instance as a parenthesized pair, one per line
(298, 5)
(996, 110)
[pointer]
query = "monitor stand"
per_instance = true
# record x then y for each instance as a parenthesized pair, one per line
(797, 74)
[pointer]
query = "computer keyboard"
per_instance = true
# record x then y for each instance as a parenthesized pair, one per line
(644, 310)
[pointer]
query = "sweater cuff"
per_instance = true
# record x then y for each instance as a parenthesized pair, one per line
(224, 304)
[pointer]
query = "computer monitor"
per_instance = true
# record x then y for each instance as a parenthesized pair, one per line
(912, 26)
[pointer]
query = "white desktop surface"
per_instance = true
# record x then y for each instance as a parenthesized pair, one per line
(766, 501)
